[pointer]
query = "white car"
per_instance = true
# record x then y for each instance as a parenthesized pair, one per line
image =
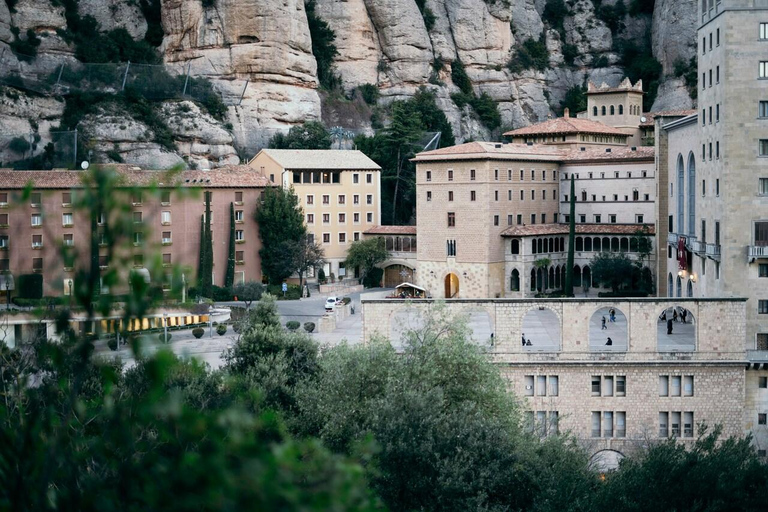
(330, 303)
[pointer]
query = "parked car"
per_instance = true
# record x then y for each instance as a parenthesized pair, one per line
(330, 303)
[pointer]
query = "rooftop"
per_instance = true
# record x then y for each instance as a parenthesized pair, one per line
(567, 125)
(493, 150)
(391, 230)
(622, 153)
(624, 86)
(650, 117)
(581, 229)
(320, 159)
(233, 176)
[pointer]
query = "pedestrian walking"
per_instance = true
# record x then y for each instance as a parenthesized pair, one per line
(674, 315)
(669, 326)
(603, 324)
(613, 315)
(685, 315)
(523, 339)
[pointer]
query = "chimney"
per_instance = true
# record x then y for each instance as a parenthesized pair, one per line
(567, 112)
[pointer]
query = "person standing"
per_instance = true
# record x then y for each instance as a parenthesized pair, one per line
(685, 315)
(674, 315)
(669, 326)
(603, 327)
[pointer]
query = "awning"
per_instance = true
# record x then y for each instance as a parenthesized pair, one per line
(409, 285)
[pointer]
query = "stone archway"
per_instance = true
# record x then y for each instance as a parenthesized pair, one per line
(451, 286)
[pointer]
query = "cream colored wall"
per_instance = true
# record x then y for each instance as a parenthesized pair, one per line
(626, 122)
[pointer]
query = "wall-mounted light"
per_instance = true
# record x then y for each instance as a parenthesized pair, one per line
(464, 274)
(694, 278)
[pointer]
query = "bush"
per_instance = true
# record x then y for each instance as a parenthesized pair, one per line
(292, 325)
(460, 77)
(163, 339)
(309, 326)
(221, 329)
(221, 294)
(26, 49)
(426, 14)
(570, 52)
(370, 93)
(532, 54)
(198, 332)
(373, 278)
(575, 100)
(30, 286)
(346, 300)
(321, 276)
(293, 293)
(19, 145)
(112, 343)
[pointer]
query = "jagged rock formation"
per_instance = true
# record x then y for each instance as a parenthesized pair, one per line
(267, 45)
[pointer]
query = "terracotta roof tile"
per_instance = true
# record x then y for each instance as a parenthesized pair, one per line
(622, 153)
(494, 150)
(569, 125)
(585, 229)
(234, 176)
(651, 116)
(391, 230)
(321, 159)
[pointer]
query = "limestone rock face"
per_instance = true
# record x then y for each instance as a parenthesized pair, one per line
(113, 14)
(30, 117)
(674, 32)
(198, 136)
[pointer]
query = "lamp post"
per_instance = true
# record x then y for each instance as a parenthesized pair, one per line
(165, 326)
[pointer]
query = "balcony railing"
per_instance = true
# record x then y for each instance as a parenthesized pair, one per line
(689, 241)
(698, 246)
(713, 251)
(672, 238)
(758, 251)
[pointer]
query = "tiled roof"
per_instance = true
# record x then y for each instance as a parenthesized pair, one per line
(234, 176)
(321, 159)
(494, 150)
(581, 229)
(623, 153)
(651, 116)
(570, 125)
(391, 230)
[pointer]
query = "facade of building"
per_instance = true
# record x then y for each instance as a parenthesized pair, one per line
(402, 245)
(163, 217)
(646, 385)
(620, 107)
(339, 191)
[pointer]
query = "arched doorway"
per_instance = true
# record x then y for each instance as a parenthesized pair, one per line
(586, 277)
(397, 274)
(451, 286)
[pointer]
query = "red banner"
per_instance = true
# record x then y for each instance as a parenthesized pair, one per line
(682, 261)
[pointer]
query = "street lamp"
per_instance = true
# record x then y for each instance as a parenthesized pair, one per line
(165, 326)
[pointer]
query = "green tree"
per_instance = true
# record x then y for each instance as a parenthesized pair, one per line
(248, 292)
(401, 135)
(205, 277)
(366, 254)
(322, 47)
(614, 270)
(281, 227)
(309, 256)
(229, 278)
(310, 135)
(571, 242)
(575, 100)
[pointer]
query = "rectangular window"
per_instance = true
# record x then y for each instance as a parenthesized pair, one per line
(3, 219)
(239, 216)
(621, 424)
(528, 384)
(596, 421)
(596, 385)
(621, 385)
(165, 217)
(356, 218)
(688, 424)
(429, 195)
(66, 198)
(36, 198)
(472, 195)
(762, 383)
(543, 218)
(450, 175)
(356, 199)
(326, 238)
(166, 237)
(717, 113)
(326, 218)
(4, 241)
(326, 199)
(310, 199)
(663, 385)
(451, 252)
(607, 386)
(519, 218)
(717, 149)
(37, 219)
(510, 220)
(138, 238)
(495, 220)
(598, 219)
(496, 195)
(639, 219)
(342, 199)
(763, 109)
(37, 241)
(607, 424)
(137, 217)
(764, 31)
(762, 187)
(717, 187)
(675, 385)
(3, 199)
(356, 236)
(472, 175)
(541, 385)
(762, 419)
(509, 174)
(763, 69)
(66, 219)
(342, 238)
(167, 259)
(664, 424)
(37, 264)
(688, 385)
(238, 198)
(450, 195)
(369, 217)
(5, 264)
(496, 175)
(533, 195)
(310, 218)
(762, 307)
(369, 199)
(368, 178)
(342, 218)
(554, 385)
(429, 176)
(136, 198)
(717, 78)
(356, 177)
(451, 219)
(533, 218)
(761, 233)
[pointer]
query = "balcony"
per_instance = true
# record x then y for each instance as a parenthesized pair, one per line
(713, 251)
(698, 246)
(672, 238)
(757, 252)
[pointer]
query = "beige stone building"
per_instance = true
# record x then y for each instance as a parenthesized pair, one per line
(646, 385)
(165, 221)
(620, 107)
(339, 191)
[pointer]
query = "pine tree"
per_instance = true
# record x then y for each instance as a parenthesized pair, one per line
(571, 242)
(281, 227)
(207, 277)
(229, 279)
(201, 256)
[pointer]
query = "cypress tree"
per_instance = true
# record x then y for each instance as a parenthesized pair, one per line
(207, 277)
(229, 279)
(571, 242)
(201, 256)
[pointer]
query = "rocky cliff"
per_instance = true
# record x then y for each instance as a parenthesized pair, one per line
(259, 55)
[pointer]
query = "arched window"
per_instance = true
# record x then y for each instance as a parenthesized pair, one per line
(579, 244)
(515, 246)
(615, 244)
(670, 286)
(679, 287)
(594, 111)
(602, 110)
(514, 281)
(691, 195)
(596, 245)
(551, 244)
(621, 110)
(557, 277)
(690, 289)
(588, 244)
(533, 279)
(551, 280)
(533, 246)
(613, 111)
(680, 195)
(541, 245)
